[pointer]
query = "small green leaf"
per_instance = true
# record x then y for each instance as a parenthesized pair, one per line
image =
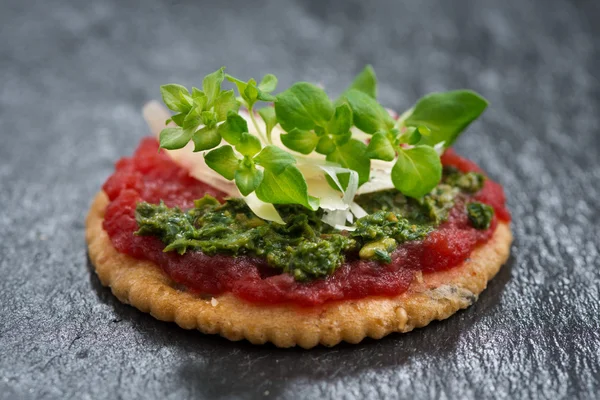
(423, 130)
(199, 98)
(206, 138)
(209, 118)
(211, 85)
(380, 148)
(223, 161)
(187, 99)
(446, 114)
(365, 82)
(241, 85)
(303, 106)
(247, 179)
(172, 97)
(417, 171)
(274, 159)
(248, 145)
(352, 155)
(326, 145)
(341, 121)
(369, 115)
(178, 119)
(287, 187)
(231, 130)
(226, 102)
(341, 140)
(412, 136)
(250, 93)
(268, 83)
(269, 117)
(192, 120)
(264, 96)
(174, 138)
(301, 141)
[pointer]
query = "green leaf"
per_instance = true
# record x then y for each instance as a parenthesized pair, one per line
(365, 82)
(380, 148)
(199, 98)
(209, 118)
(174, 138)
(223, 161)
(248, 145)
(287, 187)
(206, 138)
(326, 145)
(268, 83)
(241, 85)
(352, 155)
(178, 119)
(250, 93)
(303, 106)
(447, 114)
(192, 120)
(301, 141)
(341, 140)
(231, 130)
(269, 117)
(247, 179)
(412, 136)
(417, 171)
(264, 96)
(423, 130)
(274, 159)
(172, 97)
(369, 115)
(212, 85)
(226, 102)
(341, 121)
(187, 99)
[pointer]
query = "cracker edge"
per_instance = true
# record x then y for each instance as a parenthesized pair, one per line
(435, 296)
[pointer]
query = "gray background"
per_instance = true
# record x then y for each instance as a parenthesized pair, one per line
(73, 77)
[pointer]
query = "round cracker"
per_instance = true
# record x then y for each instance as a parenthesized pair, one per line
(433, 296)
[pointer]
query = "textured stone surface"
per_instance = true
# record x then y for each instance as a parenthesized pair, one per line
(73, 76)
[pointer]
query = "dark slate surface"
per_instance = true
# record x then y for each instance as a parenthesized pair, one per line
(73, 77)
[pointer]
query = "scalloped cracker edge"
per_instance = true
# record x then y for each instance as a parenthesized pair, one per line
(433, 296)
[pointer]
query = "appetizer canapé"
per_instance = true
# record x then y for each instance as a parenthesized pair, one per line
(306, 221)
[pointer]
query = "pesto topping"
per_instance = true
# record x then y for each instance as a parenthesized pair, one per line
(471, 182)
(305, 246)
(480, 215)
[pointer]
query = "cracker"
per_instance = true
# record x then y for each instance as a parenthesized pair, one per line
(434, 297)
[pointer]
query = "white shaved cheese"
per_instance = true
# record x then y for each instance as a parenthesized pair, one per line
(156, 116)
(380, 178)
(357, 210)
(263, 210)
(439, 147)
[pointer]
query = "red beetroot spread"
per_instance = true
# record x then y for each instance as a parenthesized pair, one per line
(151, 176)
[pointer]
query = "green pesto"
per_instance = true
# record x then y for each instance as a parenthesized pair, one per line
(480, 215)
(305, 246)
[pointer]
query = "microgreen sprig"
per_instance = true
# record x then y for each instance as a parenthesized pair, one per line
(312, 123)
(210, 116)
